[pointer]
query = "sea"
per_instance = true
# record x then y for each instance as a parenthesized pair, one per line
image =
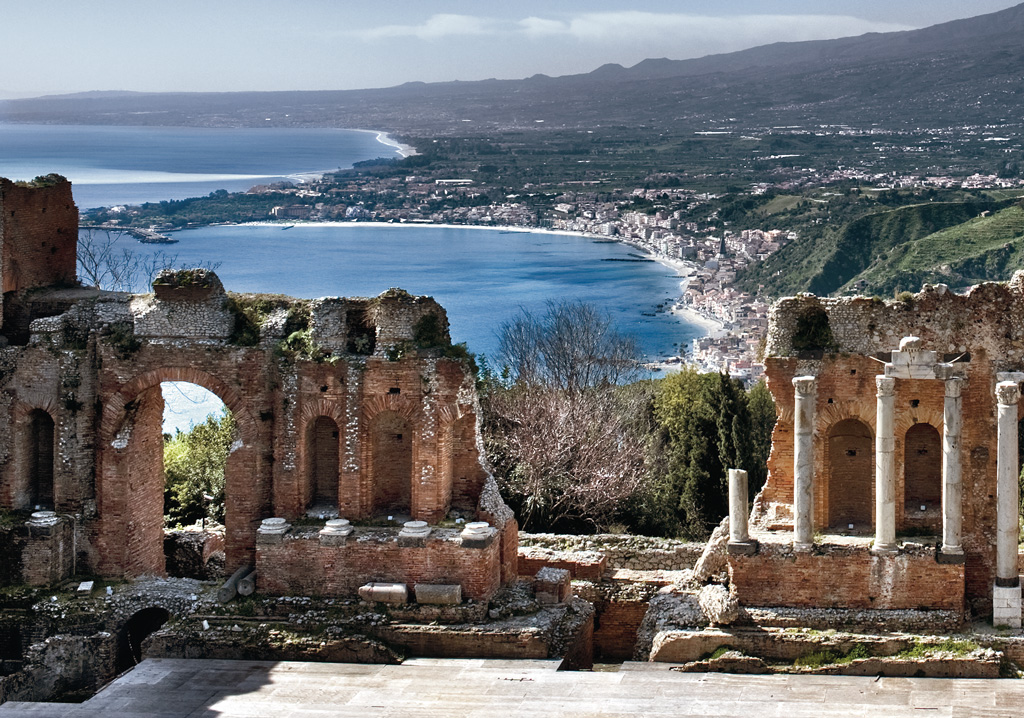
(482, 277)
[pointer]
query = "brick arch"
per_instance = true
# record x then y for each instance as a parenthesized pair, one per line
(450, 413)
(396, 403)
(28, 401)
(129, 500)
(114, 405)
(832, 414)
(322, 407)
(907, 419)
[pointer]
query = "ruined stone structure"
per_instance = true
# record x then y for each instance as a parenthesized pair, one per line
(354, 409)
(893, 477)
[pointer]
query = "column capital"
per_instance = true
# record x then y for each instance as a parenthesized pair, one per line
(886, 385)
(954, 386)
(805, 385)
(1007, 393)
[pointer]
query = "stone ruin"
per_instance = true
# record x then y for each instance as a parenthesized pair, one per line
(893, 477)
(353, 417)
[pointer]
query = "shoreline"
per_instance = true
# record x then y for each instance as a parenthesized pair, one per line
(386, 139)
(712, 327)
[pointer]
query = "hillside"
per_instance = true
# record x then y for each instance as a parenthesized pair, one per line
(963, 72)
(957, 243)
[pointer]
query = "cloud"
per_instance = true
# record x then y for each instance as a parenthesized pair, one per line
(638, 26)
(435, 28)
(632, 26)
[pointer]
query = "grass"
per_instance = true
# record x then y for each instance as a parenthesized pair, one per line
(955, 646)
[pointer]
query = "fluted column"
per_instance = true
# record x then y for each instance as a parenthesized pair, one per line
(805, 395)
(1006, 594)
(885, 467)
(952, 485)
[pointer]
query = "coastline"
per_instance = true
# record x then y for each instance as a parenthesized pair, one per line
(384, 138)
(683, 269)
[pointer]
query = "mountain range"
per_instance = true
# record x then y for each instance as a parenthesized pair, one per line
(963, 72)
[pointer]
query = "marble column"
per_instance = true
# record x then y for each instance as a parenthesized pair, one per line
(805, 397)
(885, 467)
(952, 486)
(1006, 594)
(739, 510)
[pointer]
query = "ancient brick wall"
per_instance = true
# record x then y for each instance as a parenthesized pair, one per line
(38, 235)
(979, 330)
(346, 402)
(846, 577)
(301, 564)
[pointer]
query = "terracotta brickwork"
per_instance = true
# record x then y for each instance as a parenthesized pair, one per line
(978, 333)
(837, 576)
(301, 564)
(367, 417)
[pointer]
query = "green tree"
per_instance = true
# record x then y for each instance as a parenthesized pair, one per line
(194, 464)
(708, 425)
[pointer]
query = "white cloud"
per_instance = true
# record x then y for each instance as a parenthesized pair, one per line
(738, 29)
(435, 27)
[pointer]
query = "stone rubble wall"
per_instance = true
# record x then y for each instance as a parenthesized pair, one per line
(640, 553)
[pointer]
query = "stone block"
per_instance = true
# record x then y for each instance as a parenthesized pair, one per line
(438, 594)
(384, 592)
(718, 605)
(552, 585)
(742, 548)
(478, 534)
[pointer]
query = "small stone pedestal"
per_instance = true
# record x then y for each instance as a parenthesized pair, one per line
(414, 534)
(48, 556)
(335, 532)
(477, 534)
(1006, 606)
(272, 530)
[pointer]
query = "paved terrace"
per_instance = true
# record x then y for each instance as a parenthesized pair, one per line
(476, 688)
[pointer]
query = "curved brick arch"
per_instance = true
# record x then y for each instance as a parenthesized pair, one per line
(322, 407)
(907, 420)
(114, 406)
(832, 414)
(401, 405)
(28, 401)
(450, 413)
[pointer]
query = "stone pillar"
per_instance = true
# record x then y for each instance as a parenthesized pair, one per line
(739, 509)
(885, 467)
(952, 486)
(805, 396)
(1006, 595)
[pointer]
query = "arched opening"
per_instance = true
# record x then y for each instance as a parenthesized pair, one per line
(134, 480)
(198, 430)
(135, 631)
(922, 477)
(851, 475)
(391, 446)
(39, 457)
(322, 465)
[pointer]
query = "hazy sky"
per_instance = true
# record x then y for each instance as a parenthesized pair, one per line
(202, 45)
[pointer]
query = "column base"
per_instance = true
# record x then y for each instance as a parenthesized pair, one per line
(742, 548)
(1006, 606)
(802, 547)
(885, 549)
(950, 555)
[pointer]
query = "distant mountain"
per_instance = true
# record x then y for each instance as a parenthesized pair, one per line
(962, 72)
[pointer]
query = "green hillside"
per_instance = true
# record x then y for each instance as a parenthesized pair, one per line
(875, 246)
(980, 249)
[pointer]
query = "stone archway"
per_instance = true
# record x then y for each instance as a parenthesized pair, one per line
(851, 475)
(129, 475)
